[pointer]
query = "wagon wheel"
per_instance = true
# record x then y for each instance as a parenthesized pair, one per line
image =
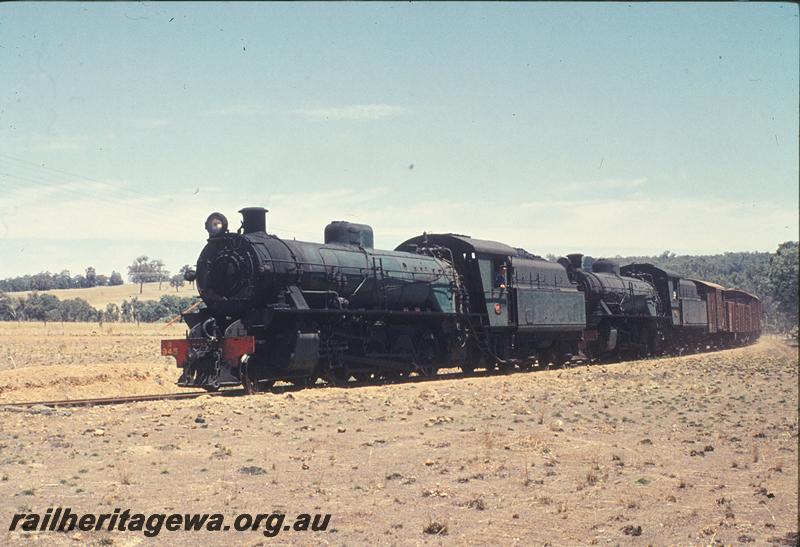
(506, 367)
(545, 357)
(251, 382)
(250, 386)
(303, 382)
(471, 362)
(391, 375)
(558, 359)
(362, 377)
(401, 345)
(655, 341)
(425, 354)
(265, 385)
(473, 357)
(527, 363)
(338, 377)
(375, 345)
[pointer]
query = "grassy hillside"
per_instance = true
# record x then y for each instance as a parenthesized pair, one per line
(98, 297)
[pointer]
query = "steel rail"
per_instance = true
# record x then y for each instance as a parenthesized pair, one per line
(108, 400)
(448, 372)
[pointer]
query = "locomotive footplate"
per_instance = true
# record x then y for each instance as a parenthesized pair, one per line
(208, 363)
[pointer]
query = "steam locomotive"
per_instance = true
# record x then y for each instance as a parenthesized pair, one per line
(296, 311)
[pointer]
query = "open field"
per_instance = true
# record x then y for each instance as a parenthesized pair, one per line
(699, 449)
(98, 297)
(78, 360)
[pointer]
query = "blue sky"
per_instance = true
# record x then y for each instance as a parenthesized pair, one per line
(600, 128)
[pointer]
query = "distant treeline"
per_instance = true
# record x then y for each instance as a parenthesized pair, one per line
(46, 281)
(49, 308)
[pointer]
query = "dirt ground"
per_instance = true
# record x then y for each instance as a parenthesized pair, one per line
(693, 450)
(58, 361)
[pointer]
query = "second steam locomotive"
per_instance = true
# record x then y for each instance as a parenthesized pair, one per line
(295, 311)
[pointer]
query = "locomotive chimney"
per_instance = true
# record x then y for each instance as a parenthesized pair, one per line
(254, 219)
(575, 260)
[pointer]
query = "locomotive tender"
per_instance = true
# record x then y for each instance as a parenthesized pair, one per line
(296, 311)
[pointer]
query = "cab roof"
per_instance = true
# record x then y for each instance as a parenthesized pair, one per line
(462, 243)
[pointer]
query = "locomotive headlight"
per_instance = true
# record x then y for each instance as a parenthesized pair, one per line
(216, 224)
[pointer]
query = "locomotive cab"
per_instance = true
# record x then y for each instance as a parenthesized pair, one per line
(524, 307)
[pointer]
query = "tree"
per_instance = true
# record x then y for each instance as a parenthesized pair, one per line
(36, 306)
(176, 281)
(160, 273)
(135, 309)
(102, 280)
(141, 272)
(8, 307)
(112, 312)
(91, 276)
(77, 309)
(42, 281)
(151, 311)
(63, 280)
(53, 315)
(126, 312)
(115, 279)
(79, 282)
(783, 279)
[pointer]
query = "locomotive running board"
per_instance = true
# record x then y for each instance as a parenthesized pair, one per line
(400, 313)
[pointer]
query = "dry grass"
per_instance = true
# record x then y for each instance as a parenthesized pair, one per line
(25, 344)
(74, 360)
(98, 297)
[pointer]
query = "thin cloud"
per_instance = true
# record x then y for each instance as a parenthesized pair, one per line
(152, 123)
(603, 184)
(53, 145)
(235, 110)
(600, 225)
(85, 210)
(352, 112)
(80, 210)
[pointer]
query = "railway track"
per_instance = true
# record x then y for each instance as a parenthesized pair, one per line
(443, 374)
(231, 392)
(109, 400)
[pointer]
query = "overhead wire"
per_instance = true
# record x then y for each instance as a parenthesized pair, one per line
(57, 184)
(42, 167)
(54, 179)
